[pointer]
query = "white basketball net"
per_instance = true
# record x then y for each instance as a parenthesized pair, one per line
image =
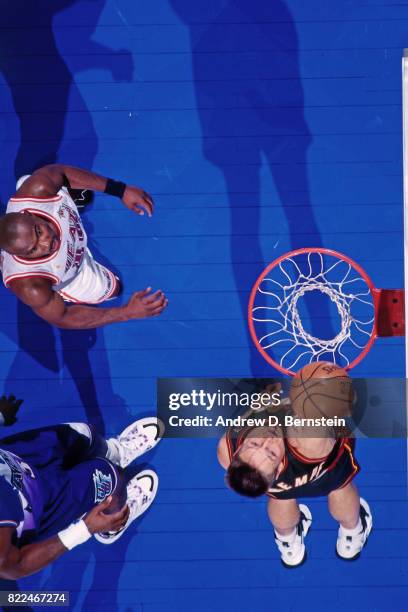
(279, 326)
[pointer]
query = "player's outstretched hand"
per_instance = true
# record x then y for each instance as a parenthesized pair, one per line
(144, 304)
(138, 200)
(8, 408)
(98, 521)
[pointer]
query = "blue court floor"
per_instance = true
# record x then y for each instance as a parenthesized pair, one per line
(258, 127)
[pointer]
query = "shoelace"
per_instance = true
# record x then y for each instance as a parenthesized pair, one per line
(134, 442)
(139, 499)
(134, 503)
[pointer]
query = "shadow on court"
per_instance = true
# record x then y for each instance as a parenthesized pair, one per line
(251, 106)
(43, 91)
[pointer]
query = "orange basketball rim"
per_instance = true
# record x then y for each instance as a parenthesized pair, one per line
(284, 325)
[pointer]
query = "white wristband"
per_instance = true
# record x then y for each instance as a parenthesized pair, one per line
(75, 534)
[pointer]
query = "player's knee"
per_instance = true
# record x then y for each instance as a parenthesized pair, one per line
(283, 512)
(344, 503)
(347, 493)
(81, 428)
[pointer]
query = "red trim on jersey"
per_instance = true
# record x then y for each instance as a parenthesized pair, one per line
(354, 463)
(349, 479)
(304, 459)
(240, 438)
(32, 262)
(339, 455)
(36, 199)
(114, 284)
(46, 275)
(285, 465)
(69, 298)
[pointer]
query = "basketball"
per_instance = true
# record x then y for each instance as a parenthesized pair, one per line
(321, 389)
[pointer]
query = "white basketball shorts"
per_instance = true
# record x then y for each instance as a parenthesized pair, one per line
(92, 285)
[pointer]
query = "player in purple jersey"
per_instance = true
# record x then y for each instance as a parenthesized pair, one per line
(46, 261)
(63, 484)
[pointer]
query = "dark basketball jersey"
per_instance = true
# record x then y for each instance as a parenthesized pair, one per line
(50, 477)
(21, 495)
(302, 476)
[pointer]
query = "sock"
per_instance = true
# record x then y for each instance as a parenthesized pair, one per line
(288, 537)
(113, 453)
(352, 532)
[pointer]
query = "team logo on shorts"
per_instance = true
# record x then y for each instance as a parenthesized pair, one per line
(103, 485)
(11, 469)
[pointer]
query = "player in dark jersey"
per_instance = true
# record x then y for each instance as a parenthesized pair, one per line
(286, 465)
(60, 485)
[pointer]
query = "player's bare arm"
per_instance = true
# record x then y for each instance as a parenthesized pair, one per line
(29, 238)
(48, 180)
(47, 304)
(16, 562)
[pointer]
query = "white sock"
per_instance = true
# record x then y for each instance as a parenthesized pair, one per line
(113, 453)
(352, 532)
(288, 537)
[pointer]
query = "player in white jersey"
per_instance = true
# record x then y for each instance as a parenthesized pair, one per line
(45, 258)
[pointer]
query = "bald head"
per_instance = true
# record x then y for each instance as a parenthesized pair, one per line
(13, 227)
(27, 235)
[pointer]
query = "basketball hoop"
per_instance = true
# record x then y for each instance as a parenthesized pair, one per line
(282, 318)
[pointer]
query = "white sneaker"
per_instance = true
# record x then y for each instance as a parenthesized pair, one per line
(141, 491)
(348, 546)
(140, 437)
(293, 550)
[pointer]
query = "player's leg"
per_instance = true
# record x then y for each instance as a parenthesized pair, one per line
(138, 492)
(72, 493)
(68, 444)
(354, 515)
(76, 491)
(344, 505)
(284, 515)
(59, 446)
(291, 523)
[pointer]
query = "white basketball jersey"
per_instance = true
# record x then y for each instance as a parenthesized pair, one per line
(63, 265)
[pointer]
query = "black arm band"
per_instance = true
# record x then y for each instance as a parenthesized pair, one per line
(115, 188)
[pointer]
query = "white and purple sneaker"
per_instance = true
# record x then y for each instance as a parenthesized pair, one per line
(140, 437)
(141, 491)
